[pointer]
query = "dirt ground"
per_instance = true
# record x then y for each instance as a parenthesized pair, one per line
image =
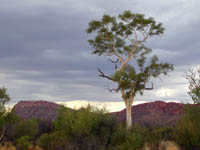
(167, 145)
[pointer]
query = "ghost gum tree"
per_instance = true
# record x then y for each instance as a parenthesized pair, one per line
(122, 39)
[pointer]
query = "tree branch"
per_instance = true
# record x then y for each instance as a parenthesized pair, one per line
(2, 134)
(151, 88)
(114, 89)
(102, 74)
(114, 62)
(116, 54)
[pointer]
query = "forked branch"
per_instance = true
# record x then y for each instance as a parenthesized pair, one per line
(114, 89)
(114, 62)
(102, 74)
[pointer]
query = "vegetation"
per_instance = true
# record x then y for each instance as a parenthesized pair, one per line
(6, 118)
(193, 76)
(28, 129)
(187, 134)
(90, 128)
(124, 38)
(4, 98)
(133, 139)
(158, 135)
(23, 143)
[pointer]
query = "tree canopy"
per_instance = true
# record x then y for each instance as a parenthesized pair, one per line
(124, 38)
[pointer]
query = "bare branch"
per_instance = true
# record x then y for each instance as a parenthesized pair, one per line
(114, 89)
(114, 62)
(151, 88)
(102, 74)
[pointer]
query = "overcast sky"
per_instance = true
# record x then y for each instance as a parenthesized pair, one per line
(44, 53)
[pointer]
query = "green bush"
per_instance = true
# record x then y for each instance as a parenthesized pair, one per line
(23, 143)
(26, 128)
(43, 141)
(53, 141)
(124, 139)
(187, 131)
(156, 135)
(86, 127)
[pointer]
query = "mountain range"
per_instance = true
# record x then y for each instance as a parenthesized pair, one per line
(150, 114)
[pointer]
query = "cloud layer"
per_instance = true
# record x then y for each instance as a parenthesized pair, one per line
(45, 54)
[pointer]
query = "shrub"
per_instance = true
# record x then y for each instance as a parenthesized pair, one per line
(54, 141)
(157, 135)
(23, 143)
(88, 128)
(26, 128)
(124, 139)
(43, 141)
(187, 134)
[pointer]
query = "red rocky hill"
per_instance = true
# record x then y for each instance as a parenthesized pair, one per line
(156, 113)
(148, 114)
(43, 110)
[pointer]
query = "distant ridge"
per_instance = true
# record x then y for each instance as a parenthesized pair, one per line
(151, 114)
(158, 113)
(43, 110)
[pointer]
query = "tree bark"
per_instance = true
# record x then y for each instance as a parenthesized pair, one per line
(128, 103)
(2, 133)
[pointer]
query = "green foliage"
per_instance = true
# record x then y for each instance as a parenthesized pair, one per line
(157, 135)
(124, 37)
(10, 119)
(193, 76)
(43, 141)
(133, 139)
(26, 128)
(118, 30)
(23, 143)
(4, 97)
(53, 141)
(87, 127)
(5, 116)
(186, 133)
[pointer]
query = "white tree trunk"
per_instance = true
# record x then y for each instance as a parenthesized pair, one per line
(128, 113)
(128, 102)
(2, 133)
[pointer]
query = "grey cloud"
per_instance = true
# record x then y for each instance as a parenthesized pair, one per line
(44, 49)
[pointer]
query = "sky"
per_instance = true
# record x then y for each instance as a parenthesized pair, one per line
(44, 53)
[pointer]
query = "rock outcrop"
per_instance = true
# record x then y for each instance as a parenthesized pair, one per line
(151, 114)
(42, 110)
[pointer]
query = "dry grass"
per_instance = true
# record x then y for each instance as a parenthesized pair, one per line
(9, 146)
(169, 145)
(166, 145)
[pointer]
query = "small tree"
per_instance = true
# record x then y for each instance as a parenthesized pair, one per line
(124, 38)
(193, 76)
(4, 98)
